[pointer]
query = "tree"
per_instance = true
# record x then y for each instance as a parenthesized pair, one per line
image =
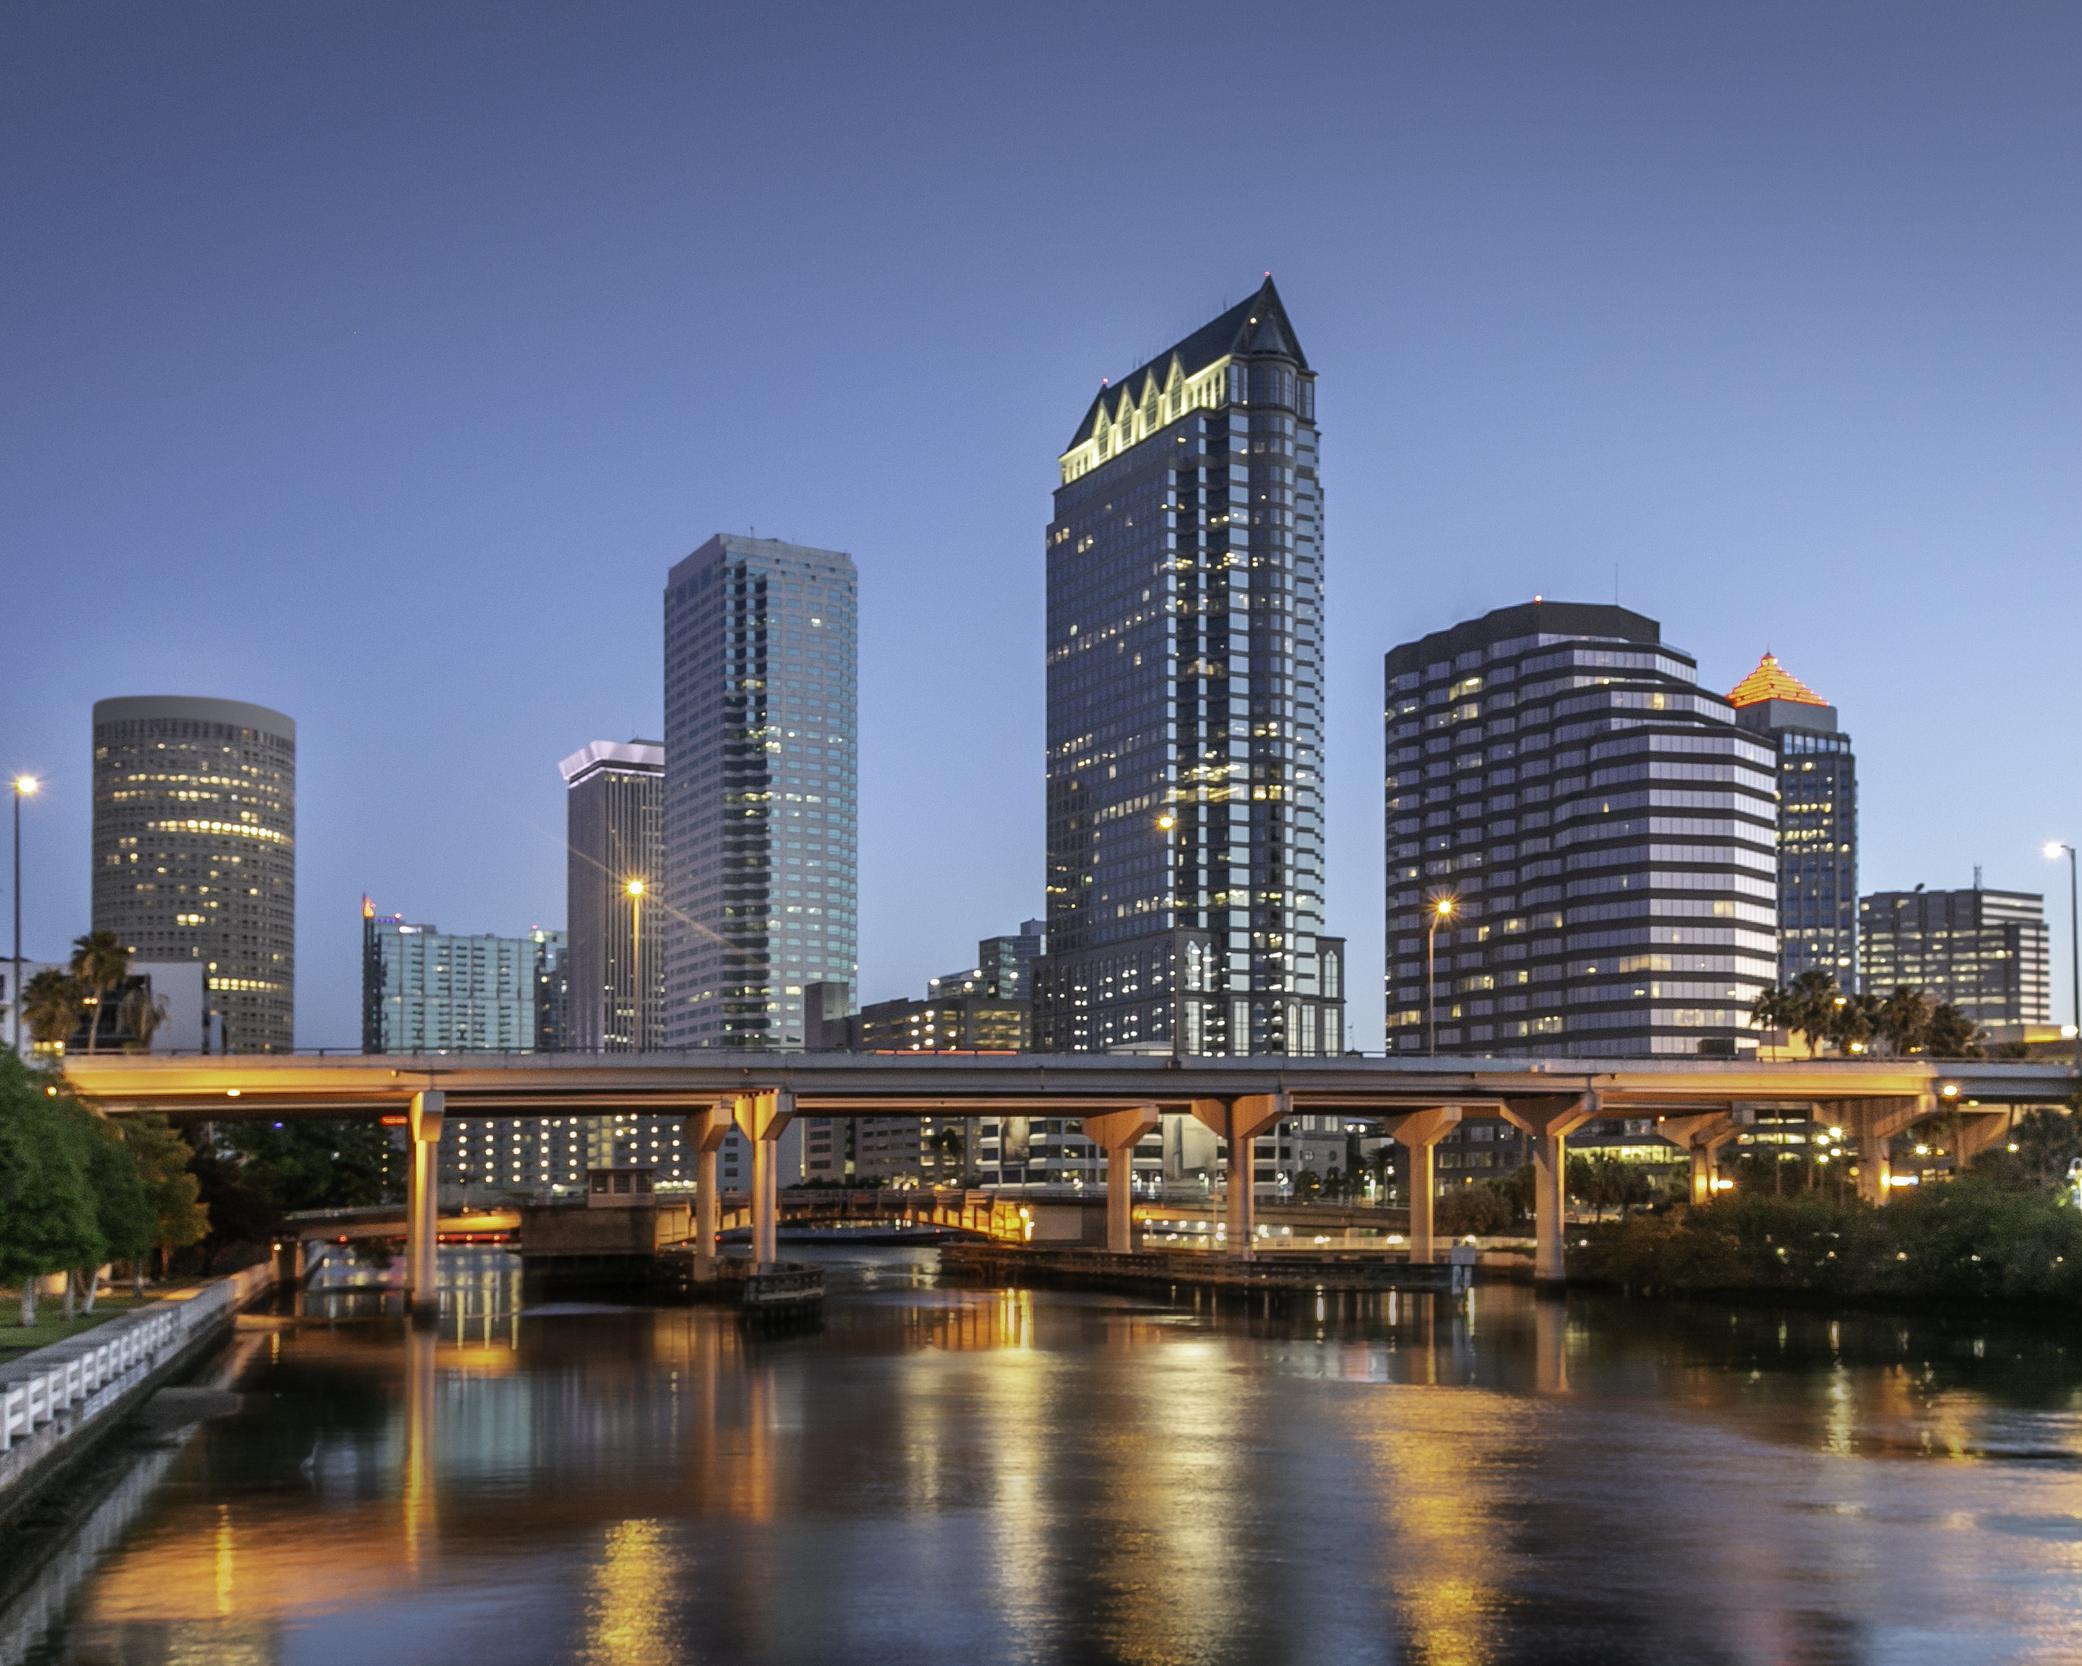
(1904, 1021)
(952, 1144)
(123, 1213)
(1808, 1005)
(162, 1159)
(1856, 1023)
(141, 1013)
(1952, 1035)
(47, 1220)
(51, 1004)
(100, 961)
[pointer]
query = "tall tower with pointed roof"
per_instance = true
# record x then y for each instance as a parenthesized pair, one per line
(1817, 821)
(1185, 708)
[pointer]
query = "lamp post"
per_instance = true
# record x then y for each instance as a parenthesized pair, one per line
(2055, 849)
(1441, 911)
(637, 989)
(21, 787)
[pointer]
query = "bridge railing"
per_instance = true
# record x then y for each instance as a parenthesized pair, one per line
(76, 1380)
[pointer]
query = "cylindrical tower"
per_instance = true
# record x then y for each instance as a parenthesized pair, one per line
(195, 852)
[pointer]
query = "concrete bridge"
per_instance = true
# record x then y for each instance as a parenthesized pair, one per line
(1696, 1105)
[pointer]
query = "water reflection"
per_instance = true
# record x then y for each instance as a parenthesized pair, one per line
(970, 1474)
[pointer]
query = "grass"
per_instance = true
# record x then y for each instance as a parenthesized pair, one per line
(51, 1324)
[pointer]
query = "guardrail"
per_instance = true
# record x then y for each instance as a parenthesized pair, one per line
(81, 1377)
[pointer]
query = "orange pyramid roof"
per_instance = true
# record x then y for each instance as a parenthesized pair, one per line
(1772, 681)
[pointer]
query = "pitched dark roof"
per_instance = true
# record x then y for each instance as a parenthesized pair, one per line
(1258, 325)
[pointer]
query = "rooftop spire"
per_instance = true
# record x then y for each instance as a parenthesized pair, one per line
(1772, 681)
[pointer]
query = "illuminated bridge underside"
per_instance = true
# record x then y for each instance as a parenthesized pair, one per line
(1697, 1107)
(1064, 1085)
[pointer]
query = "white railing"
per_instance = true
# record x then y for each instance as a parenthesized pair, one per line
(79, 1378)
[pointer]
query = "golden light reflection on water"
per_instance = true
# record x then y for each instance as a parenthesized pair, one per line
(1441, 1517)
(625, 1613)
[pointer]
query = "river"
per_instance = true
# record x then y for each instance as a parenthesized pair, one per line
(977, 1476)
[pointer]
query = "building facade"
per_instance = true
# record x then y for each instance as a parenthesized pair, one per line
(761, 744)
(1185, 708)
(1987, 952)
(1604, 834)
(194, 852)
(614, 959)
(429, 991)
(426, 990)
(1817, 821)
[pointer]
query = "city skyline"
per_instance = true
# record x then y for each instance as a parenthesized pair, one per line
(1802, 452)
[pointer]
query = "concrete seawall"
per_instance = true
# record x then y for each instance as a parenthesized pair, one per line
(57, 1403)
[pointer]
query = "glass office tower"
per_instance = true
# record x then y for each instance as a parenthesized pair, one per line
(761, 840)
(1185, 709)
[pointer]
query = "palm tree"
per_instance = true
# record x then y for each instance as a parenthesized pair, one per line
(141, 1013)
(1856, 1022)
(100, 960)
(1952, 1035)
(51, 1007)
(1904, 1021)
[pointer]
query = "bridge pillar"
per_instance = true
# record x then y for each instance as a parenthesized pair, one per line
(1117, 1133)
(1240, 1122)
(423, 1208)
(1549, 1121)
(1418, 1133)
(762, 1118)
(1873, 1124)
(706, 1132)
(1978, 1131)
(1699, 1135)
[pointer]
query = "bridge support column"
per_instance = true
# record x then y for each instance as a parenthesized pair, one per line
(1873, 1124)
(1550, 1121)
(1699, 1135)
(1418, 1133)
(423, 1208)
(1978, 1131)
(706, 1132)
(1240, 1122)
(1117, 1133)
(762, 1118)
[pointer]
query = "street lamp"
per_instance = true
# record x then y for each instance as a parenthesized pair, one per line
(636, 980)
(1440, 912)
(2055, 849)
(21, 787)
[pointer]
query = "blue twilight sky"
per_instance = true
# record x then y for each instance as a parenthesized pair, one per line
(374, 362)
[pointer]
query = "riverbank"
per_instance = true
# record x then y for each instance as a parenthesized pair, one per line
(58, 1402)
(1970, 1246)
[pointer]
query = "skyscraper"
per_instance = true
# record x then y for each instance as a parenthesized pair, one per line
(1817, 821)
(195, 852)
(761, 736)
(429, 991)
(615, 959)
(1604, 834)
(1987, 952)
(1185, 708)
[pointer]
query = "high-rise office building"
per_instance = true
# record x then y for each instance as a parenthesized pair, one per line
(429, 991)
(1604, 834)
(1817, 821)
(615, 955)
(761, 736)
(1987, 952)
(195, 852)
(1185, 708)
